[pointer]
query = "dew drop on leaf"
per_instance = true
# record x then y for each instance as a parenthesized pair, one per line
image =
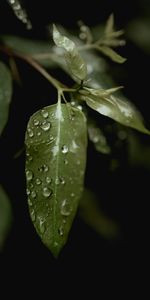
(36, 122)
(64, 149)
(44, 113)
(61, 230)
(29, 175)
(45, 125)
(33, 194)
(65, 208)
(30, 132)
(27, 191)
(33, 217)
(38, 181)
(41, 225)
(29, 202)
(66, 162)
(47, 192)
(48, 180)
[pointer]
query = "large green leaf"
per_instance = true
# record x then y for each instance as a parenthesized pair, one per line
(74, 61)
(117, 109)
(5, 94)
(5, 216)
(56, 141)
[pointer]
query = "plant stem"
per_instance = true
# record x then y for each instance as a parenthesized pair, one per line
(57, 84)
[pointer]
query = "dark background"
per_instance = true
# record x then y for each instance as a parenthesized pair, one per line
(95, 261)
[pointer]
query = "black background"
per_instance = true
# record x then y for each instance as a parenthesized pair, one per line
(88, 262)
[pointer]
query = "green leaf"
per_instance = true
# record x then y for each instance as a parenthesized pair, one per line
(5, 94)
(109, 25)
(39, 50)
(56, 141)
(5, 216)
(73, 59)
(97, 137)
(119, 110)
(111, 54)
(92, 214)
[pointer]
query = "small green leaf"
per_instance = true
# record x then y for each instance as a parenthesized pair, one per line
(109, 25)
(56, 141)
(90, 211)
(119, 110)
(102, 93)
(5, 94)
(73, 59)
(97, 137)
(5, 216)
(112, 54)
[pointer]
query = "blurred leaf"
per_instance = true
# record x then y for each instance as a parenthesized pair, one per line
(97, 137)
(40, 50)
(109, 25)
(139, 32)
(91, 213)
(5, 94)
(111, 54)
(138, 152)
(116, 109)
(5, 216)
(56, 141)
(73, 59)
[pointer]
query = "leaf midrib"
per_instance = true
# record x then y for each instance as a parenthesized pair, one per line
(56, 173)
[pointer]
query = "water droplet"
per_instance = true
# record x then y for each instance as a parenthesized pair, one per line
(51, 137)
(72, 195)
(62, 180)
(65, 208)
(47, 192)
(64, 149)
(38, 181)
(61, 230)
(29, 175)
(43, 168)
(39, 133)
(46, 168)
(31, 185)
(29, 202)
(45, 125)
(44, 113)
(48, 180)
(33, 194)
(55, 244)
(28, 192)
(33, 217)
(57, 181)
(66, 162)
(36, 122)
(41, 224)
(30, 132)
(80, 107)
